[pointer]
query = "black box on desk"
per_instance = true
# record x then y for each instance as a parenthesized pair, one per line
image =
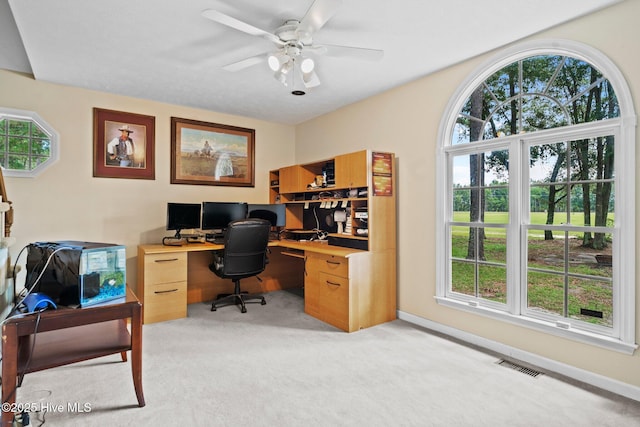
(77, 273)
(349, 243)
(299, 234)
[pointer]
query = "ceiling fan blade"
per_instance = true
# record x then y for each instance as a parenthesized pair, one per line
(245, 63)
(236, 24)
(318, 15)
(347, 52)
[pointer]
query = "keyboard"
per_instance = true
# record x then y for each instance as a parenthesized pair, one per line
(217, 240)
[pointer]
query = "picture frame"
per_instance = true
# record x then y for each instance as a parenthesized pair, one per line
(116, 155)
(205, 153)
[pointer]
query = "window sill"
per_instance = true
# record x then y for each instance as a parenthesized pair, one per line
(585, 337)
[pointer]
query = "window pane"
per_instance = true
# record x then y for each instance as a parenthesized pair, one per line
(546, 250)
(461, 131)
(548, 163)
(592, 159)
(504, 122)
(41, 147)
(548, 204)
(18, 162)
(587, 261)
(463, 279)
(496, 202)
(461, 204)
(591, 301)
(36, 161)
(3, 127)
(592, 204)
(459, 242)
(37, 132)
(18, 145)
(504, 83)
(541, 112)
(492, 283)
(496, 168)
(19, 128)
(545, 292)
(495, 245)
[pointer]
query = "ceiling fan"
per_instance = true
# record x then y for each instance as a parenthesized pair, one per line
(291, 63)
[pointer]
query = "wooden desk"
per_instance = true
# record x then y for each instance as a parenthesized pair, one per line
(348, 288)
(66, 336)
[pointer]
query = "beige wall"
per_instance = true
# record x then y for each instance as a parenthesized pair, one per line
(406, 121)
(66, 202)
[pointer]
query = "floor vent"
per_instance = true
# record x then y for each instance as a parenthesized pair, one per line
(519, 368)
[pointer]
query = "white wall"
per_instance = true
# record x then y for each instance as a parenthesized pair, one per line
(406, 121)
(66, 202)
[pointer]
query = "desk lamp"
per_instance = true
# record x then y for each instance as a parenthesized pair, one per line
(340, 216)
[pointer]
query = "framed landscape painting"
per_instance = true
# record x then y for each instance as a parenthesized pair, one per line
(211, 154)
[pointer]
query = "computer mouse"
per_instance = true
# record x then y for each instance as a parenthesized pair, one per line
(38, 301)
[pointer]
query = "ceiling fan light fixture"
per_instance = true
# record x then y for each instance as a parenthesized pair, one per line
(307, 65)
(282, 74)
(310, 79)
(277, 61)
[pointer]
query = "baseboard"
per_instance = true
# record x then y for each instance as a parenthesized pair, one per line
(590, 378)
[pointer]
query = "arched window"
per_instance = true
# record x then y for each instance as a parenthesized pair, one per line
(536, 194)
(28, 145)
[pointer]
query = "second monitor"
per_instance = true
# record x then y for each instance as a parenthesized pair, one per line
(216, 216)
(275, 213)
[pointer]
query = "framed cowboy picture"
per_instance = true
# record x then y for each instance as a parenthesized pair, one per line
(123, 145)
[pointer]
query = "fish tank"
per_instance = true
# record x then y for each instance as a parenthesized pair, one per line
(102, 273)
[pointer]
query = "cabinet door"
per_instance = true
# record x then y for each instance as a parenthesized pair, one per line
(351, 170)
(326, 289)
(290, 179)
(334, 300)
(312, 286)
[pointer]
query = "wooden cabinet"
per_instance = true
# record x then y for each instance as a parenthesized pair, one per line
(327, 290)
(358, 290)
(162, 285)
(351, 183)
(351, 170)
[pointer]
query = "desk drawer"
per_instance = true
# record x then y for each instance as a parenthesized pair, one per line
(165, 268)
(331, 264)
(165, 301)
(334, 300)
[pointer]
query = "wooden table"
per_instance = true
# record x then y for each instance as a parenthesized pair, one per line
(35, 342)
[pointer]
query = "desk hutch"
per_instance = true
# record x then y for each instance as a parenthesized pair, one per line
(349, 278)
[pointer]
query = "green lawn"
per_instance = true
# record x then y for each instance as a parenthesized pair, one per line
(545, 290)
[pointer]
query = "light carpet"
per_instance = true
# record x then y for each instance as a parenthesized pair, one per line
(277, 366)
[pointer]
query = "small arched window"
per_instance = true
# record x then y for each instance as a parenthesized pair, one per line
(28, 145)
(536, 194)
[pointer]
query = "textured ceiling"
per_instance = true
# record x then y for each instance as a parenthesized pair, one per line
(164, 50)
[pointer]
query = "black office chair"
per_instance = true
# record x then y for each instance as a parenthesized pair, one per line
(244, 255)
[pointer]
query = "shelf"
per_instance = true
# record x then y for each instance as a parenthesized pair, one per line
(349, 236)
(325, 200)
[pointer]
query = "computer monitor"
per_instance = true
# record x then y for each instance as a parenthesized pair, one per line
(276, 213)
(217, 215)
(183, 216)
